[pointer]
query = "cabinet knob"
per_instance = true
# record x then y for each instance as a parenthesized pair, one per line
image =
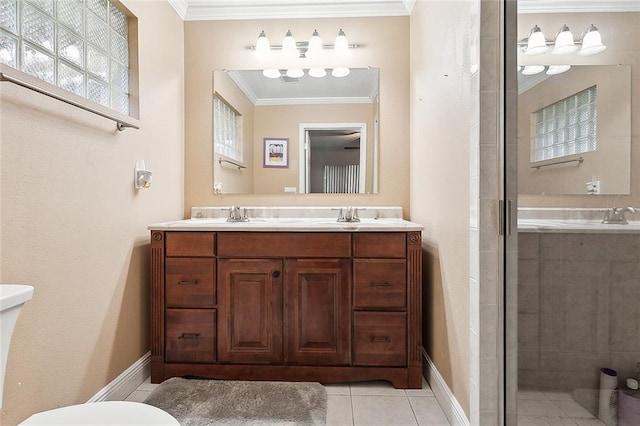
(380, 339)
(194, 282)
(275, 274)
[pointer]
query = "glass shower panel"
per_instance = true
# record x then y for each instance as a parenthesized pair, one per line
(576, 360)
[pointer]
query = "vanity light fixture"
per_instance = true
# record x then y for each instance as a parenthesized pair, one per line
(564, 41)
(591, 42)
(289, 47)
(314, 48)
(537, 69)
(295, 72)
(532, 69)
(557, 69)
(535, 43)
(317, 72)
(340, 72)
(272, 73)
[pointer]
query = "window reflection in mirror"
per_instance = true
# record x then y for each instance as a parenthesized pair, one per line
(604, 167)
(331, 108)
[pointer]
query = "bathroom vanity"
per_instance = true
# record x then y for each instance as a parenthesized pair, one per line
(282, 298)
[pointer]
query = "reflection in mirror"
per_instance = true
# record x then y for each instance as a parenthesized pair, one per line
(330, 122)
(574, 131)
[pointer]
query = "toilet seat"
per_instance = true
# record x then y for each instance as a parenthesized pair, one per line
(104, 413)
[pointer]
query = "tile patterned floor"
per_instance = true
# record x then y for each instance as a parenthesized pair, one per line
(549, 408)
(369, 403)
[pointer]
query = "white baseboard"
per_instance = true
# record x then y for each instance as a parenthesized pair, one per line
(449, 404)
(122, 386)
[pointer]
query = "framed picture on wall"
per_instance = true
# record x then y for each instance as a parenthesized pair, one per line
(276, 152)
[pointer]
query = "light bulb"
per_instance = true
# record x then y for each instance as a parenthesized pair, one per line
(272, 73)
(289, 48)
(317, 72)
(295, 72)
(263, 47)
(591, 42)
(340, 72)
(558, 69)
(341, 45)
(315, 45)
(537, 43)
(564, 42)
(532, 69)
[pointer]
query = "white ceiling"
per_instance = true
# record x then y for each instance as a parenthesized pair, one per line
(360, 86)
(195, 10)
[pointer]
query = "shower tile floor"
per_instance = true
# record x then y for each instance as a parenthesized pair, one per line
(542, 408)
(368, 403)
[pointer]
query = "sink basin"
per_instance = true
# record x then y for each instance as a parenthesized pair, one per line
(13, 295)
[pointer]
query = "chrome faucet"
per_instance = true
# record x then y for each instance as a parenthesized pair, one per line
(348, 214)
(236, 216)
(616, 215)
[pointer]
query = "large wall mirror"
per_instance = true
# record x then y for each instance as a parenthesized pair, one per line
(301, 134)
(574, 131)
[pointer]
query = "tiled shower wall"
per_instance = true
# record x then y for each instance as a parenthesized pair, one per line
(578, 308)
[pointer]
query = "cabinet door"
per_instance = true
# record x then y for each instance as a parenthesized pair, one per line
(250, 311)
(190, 335)
(317, 300)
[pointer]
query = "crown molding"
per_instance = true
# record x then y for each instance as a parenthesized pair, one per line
(577, 6)
(312, 101)
(180, 6)
(197, 10)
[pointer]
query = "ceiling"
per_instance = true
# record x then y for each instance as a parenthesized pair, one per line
(195, 10)
(360, 86)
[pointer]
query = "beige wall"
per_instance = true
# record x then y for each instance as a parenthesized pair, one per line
(283, 121)
(214, 45)
(610, 162)
(620, 32)
(73, 226)
(441, 123)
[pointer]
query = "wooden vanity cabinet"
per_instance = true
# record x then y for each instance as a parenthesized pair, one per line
(300, 306)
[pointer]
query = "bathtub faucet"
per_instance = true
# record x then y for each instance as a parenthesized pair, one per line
(616, 215)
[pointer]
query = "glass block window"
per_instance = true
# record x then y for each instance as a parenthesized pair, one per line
(566, 127)
(227, 138)
(81, 46)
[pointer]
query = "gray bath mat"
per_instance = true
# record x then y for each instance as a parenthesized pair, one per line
(229, 402)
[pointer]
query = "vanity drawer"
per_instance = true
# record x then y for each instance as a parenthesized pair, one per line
(190, 282)
(379, 244)
(380, 338)
(284, 244)
(190, 335)
(190, 243)
(380, 283)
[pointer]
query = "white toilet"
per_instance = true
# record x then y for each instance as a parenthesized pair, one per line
(104, 413)
(12, 297)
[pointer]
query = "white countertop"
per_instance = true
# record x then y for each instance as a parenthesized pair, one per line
(571, 221)
(292, 219)
(577, 226)
(289, 225)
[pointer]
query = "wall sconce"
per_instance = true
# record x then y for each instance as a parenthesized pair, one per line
(142, 176)
(291, 49)
(535, 43)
